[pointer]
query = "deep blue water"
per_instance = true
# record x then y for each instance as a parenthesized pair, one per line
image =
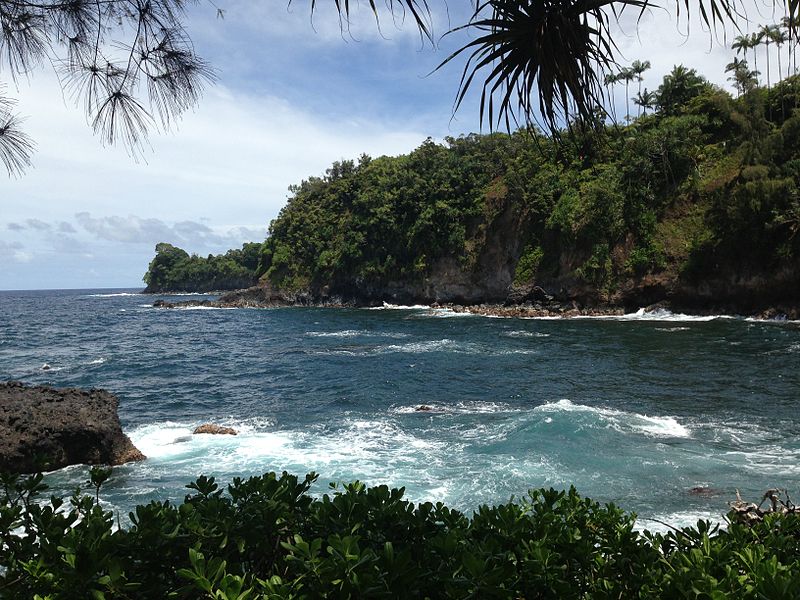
(636, 410)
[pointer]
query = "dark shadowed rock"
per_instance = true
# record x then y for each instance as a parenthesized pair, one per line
(44, 428)
(215, 429)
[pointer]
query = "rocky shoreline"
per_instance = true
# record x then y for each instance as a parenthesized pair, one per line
(44, 428)
(543, 306)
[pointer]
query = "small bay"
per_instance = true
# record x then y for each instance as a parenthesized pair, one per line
(638, 410)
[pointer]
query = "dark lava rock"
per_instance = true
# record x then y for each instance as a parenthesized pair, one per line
(215, 429)
(45, 428)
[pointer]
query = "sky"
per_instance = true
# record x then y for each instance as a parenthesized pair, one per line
(293, 94)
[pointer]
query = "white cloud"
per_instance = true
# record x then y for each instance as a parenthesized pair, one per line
(14, 251)
(190, 235)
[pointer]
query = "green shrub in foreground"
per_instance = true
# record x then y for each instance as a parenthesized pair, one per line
(266, 537)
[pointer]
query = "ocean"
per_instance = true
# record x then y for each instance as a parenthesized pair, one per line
(636, 410)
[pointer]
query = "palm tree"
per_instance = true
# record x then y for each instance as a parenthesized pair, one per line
(755, 42)
(743, 79)
(741, 43)
(611, 80)
(627, 75)
(645, 100)
(550, 57)
(678, 87)
(766, 34)
(779, 37)
(638, 67)
(790, 24)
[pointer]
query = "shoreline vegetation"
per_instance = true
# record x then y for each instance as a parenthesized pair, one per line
(270, 537)
(693, 206)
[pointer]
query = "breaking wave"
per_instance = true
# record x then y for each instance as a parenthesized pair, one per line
(622, 420)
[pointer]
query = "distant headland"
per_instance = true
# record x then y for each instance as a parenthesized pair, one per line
(694, 207)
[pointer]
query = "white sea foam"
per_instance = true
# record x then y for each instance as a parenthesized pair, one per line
(672, 329)
(387, 306)
(98, 361)
(372, 445)
(447, 313)
(426, 346)
(114, 295)
(350, 333)
(779, 320)
(664, 523)
(622, 420)
(532, 334)
(659, 314)
(204, 308)
(338, 334)
(462, 407)
(444, 345)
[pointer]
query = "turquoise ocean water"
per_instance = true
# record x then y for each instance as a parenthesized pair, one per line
(636, 410)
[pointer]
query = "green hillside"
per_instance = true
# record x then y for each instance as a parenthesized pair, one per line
(695, 202)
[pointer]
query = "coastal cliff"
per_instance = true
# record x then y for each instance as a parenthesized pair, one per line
(694, 207)
(44, 428)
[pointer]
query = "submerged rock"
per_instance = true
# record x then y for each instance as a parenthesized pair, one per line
(45, 428)
(215, 429)
(704, 491)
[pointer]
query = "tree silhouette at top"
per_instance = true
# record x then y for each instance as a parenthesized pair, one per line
(132, 66)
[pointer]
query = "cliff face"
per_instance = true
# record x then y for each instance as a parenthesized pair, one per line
(44, 428)
(495, 275)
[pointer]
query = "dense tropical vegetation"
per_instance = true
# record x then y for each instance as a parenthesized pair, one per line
(174, 270)
(269, 537)
(672, 195)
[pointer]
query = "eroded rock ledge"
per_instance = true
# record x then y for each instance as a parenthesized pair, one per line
(535, 303)
(46, 428)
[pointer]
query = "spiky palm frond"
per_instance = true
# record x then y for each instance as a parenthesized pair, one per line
(399, 9)
(536, 57)
(552, 58)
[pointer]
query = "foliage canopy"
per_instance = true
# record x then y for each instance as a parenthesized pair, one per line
(173, 269)
(671, 194)
(269, 537)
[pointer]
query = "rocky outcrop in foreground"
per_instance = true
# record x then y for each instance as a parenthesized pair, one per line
(45, 428)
